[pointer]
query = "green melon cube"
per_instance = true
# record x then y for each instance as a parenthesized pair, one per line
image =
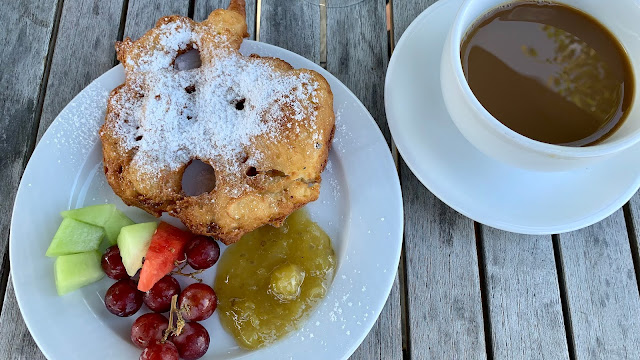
(97, 215)
(105, 215)
(74, 237)
(133, 243)
(113, 226)
(77, 270)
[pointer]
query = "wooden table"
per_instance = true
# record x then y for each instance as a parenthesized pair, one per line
(463, 290)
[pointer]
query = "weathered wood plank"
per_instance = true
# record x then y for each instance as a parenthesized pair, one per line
(83, 51)
(404, 11)
(204, 7)
(602, 292)
(359, 59)
(31, 23)
(523, 296)
(442, 278)
(444, 302)
(143, 14)
(16, 341)
(293, 25)
(27, 31)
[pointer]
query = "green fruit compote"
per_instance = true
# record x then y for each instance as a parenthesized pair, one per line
(268, 282)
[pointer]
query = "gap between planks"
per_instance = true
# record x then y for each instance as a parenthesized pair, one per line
(192, 8)
(633, 241)
(256, 22)
(4, 279)
(564, 300)
(484, 292)
(123, 23)
(402, 268)
(322, 4)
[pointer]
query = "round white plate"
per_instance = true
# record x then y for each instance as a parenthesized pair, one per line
(475, 185)
(360, 207)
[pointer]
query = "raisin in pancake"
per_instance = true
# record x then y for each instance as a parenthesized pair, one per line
(264, 127)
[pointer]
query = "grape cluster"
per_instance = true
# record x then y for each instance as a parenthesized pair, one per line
(152, 332)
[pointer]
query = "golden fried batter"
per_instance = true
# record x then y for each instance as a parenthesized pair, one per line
(264, 127)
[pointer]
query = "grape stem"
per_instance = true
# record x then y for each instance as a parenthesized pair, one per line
(174, 329)
(191, 275)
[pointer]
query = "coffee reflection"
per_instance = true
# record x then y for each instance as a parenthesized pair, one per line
(549, 72)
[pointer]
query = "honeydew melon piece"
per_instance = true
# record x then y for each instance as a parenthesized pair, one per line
(74, 237)
(97, 215)
(105, 215)
(133, 243)
(77, 270)
(113, 226)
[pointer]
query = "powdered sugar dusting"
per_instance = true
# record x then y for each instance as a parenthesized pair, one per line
(211, 112)
(81, 133)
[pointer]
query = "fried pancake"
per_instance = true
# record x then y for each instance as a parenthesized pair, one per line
(264, 127)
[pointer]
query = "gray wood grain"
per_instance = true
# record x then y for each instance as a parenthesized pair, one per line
(84, 49)
(444, 301)
(143, 14)
(523, 296)
(30, 28)
(634, 229)
(27, 31)
(204, 7)
(404, 11)
(359, 59)
(602, 291)
(293, 25)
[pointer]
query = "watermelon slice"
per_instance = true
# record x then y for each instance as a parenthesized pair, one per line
(167, 246)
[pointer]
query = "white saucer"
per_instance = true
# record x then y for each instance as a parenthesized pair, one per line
(475, 185)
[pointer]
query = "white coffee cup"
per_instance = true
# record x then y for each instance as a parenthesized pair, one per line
(621, 17)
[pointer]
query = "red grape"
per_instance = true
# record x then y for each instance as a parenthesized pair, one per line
(160, 351)
(193, 341)
(158, 298)
(123, 298)
(182, 258)
(112, 264)
(197, 302)
(202, 252)
(148, 329)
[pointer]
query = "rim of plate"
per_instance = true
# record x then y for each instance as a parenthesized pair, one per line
(485, 218)
(392, 205)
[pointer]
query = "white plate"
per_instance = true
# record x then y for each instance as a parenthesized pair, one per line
(475, 185)
(360, 207)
